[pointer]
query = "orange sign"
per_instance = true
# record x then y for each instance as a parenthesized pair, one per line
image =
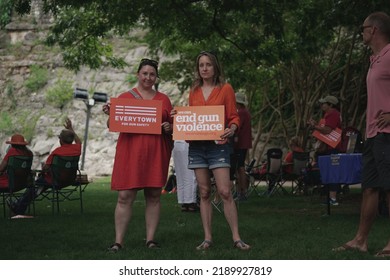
(332, 139)
(199, 123)
(135, 115)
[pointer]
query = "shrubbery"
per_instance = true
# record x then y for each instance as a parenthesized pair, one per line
(60, 93)
(37, 79)
(5, 12)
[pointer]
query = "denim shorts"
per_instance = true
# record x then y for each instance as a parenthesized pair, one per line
(208, 154)
(376, 162)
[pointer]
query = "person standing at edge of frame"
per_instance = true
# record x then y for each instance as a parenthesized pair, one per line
(376, 153)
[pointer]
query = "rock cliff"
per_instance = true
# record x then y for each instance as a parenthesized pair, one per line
(30, 113)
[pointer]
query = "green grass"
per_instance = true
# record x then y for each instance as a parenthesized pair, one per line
(280, 227)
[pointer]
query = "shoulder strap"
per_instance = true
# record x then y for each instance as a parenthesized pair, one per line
(136, 96)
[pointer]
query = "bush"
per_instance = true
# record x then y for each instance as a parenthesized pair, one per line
(5, 14)
(5, 122)
(60, 93)
(37, 79)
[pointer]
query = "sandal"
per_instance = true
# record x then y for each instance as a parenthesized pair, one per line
(383, 254)
(152, 245)
(239, 244)
(114, 248)
(206, 244)
(192, 207)
(346, 247)
(184, 208)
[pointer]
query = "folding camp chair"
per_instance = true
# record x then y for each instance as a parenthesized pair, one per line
(273, 176)
(216, 200)
(19, 178)
(297, 176)
(68, 183)
(255, 177)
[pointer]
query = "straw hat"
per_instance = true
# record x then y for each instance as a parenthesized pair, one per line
(241, 98)
(329, 99)
(17, 139)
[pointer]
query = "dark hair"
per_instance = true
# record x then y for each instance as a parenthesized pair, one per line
(67, 136)
(218, 73)
(23, 149)
(150, 62)
(381, 21)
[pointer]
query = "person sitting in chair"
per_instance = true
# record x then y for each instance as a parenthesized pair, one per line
(295, 146)
(17, 148)
(67, 148)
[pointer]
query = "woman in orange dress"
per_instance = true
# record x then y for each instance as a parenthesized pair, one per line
(141, 161)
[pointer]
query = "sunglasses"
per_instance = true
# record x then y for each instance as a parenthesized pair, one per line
(151, 61)
(364, 27)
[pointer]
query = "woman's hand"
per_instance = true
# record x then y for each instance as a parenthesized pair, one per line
(166, 127)
(106, 108)
(229, 132)
(173, 112)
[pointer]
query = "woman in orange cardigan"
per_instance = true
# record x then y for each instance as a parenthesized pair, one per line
(209, 88)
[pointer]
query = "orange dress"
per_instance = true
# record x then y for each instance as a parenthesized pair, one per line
(142, 160)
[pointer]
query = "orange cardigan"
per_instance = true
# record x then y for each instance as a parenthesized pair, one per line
(219, 96)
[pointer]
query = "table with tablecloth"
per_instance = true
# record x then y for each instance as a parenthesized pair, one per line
(340, 169)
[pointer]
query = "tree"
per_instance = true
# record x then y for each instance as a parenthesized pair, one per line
(284, 54)
(5, 14)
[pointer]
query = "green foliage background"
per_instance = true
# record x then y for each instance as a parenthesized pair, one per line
(284, 54)
(60, 93)
(37, 79)
(5, 12)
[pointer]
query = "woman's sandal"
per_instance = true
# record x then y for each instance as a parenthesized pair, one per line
(206, 244)
(184, 208)
(152, 245)
(239, 244)
(114, 248)
(192, 207)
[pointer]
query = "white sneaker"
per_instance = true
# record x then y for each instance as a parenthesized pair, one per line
(333, 202)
